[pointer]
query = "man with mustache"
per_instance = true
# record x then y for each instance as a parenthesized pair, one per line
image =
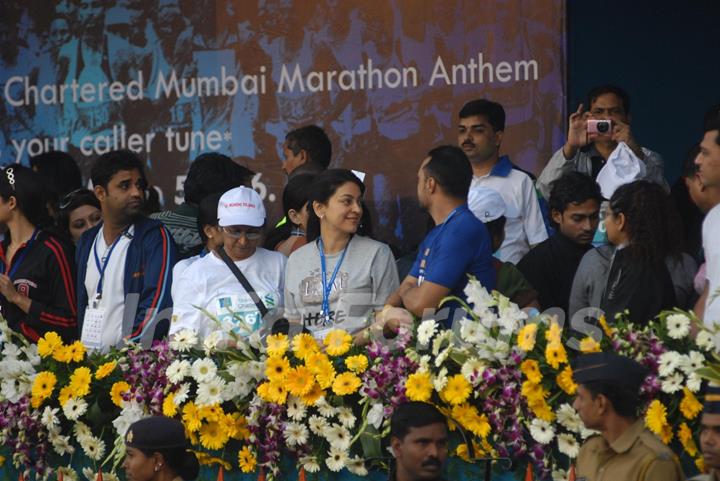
(710, 435)
(419, 442)
(480, 133)
(124, 263)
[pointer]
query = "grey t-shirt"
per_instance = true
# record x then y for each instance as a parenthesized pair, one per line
(365, 279)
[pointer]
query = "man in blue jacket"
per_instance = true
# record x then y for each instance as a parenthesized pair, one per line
(125, 263)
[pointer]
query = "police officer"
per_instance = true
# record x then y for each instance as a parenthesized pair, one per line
(608, 401)
(158, 451)
(710, 435)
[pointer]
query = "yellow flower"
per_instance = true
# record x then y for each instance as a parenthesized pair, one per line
(2, 460)
(526, 337)
(246, 460)
(105, 370)
(76, 351)
(299, 381)
(169, 408)
(346, 383)
(686, 439)
(315, 393)
(117, 390)
(80, 381)
(470, 419)
(589, 344)
(532, 391)
(700, 464)
(239, 426)
(276, 368)
(277, 345)
(206, 460)
(531, 369)
(457, 390)
(303, 345)
(48, 344)
(541, 409)
(656, 417)
(42, 387)
(213, 435)
(565, 381)
(690, 406)
(191, 417)
(62, 354)
(554, 334)
(462, 452)
(667, 434)
(609, 331)
(357, 364)
(555, 355)
(272, 392)
(211, 413)
(65, 395)
(337, 342)
(323, 369)
(418, 387)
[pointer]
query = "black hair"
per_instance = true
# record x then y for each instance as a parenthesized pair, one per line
(59, 171)
(323, 187)
(109, 164)
(69, 203)
(414, 414)
(711, 125)
(492, 111)
(573, 188)
(207, 214)
(596, 92)
(649, 217)
(181, 461)
(313, 140)
(29, 191)
(295, 196)
(689, 167)
(496, 228)
(211, 173)
(451, 169)
(712, 114)
(625, 400)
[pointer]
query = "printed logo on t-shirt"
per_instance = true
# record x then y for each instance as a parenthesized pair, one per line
(240, 314)
(311, 287)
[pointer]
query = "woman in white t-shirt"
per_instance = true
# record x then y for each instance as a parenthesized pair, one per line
(208, 296)
(339, 279)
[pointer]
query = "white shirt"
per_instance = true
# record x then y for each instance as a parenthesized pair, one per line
(112, 302)
(179, 268)
(524, 224)
(209, 284)
(711, 245)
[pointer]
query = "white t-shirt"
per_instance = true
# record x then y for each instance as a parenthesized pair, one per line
(711, 245)
(179, 268)
(524, 224)
(112, 301)
(209, 284)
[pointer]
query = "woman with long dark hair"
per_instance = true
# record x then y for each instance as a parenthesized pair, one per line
(291, 234)
(37, 275)
(339, 279)
(77, 212)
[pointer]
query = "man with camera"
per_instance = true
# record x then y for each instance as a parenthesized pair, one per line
(594, 135)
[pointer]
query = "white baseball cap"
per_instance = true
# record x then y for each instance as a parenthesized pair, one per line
(241, 206)
(487, 204)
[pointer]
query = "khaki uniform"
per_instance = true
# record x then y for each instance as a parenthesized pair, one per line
(637, 455)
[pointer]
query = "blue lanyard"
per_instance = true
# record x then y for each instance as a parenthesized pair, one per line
(426, 253)
(327, 286)
(101, 267)
(16, 265)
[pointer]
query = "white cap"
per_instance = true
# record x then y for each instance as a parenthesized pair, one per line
(241, 206)
(487, 204)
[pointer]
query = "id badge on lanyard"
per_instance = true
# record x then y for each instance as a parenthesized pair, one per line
(92, 330)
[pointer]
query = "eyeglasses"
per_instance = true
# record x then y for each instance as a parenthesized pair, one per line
(237, 232)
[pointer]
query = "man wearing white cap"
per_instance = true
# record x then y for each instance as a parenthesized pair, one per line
(239, 283)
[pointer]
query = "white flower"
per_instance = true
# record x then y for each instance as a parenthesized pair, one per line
(586, 433)
(92, 475)
(704, 340)
(184, 340)
(541, 431)
(567, 444)
(337, 458)
(569, 418)
(356, 465)
(376, 415)
(81, 430)
(472, 370)
(346, 417)
(310, 464)
(181, 395)
(678, 325)
(239, 388)
(255, 369)
(338, 436)
(94, 448)
(295, 408)
(426, 331)
(559, 475)
(442, 357)
(255, 340)
(317, 424)
(74, 408)
(471, 331)
(510, 317)
(177, 371)
(31, 352)
(203, 369)
(296, 434)
(424, 363)
(325, 409)
(440, 380)
(131, 412)
(49, 417)
(693, 382)
(68, 473)
(668, 362)
(478, 296)
(444, 338)
(210, 392)
(212, 341)
(672, 384)
(61, 444)
(692, 362)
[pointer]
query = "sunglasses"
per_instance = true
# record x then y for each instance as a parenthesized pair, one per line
(67, 199)
(237, 232)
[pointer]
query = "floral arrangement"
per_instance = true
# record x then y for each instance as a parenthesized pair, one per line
(503, 380)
